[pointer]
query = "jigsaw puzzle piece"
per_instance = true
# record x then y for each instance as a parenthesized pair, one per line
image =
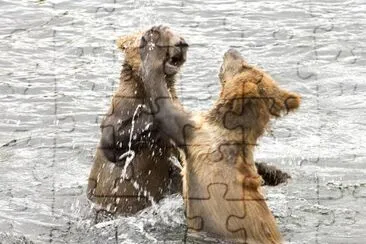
(203, 208)
(132, 186)
(211, 205)
(255, 99)
(229, 152)
(131, 166)
(242, 116)
(127, 125)
(227, 210)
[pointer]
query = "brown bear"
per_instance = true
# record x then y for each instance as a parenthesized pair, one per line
(132, 166)
(221, 185)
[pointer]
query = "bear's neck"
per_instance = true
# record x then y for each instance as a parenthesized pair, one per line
(170, 81)
(128, 75)
(246, 127)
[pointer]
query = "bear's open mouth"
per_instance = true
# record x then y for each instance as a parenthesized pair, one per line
(178, 54)
(177, 57)
(177, 60)
(172, 66)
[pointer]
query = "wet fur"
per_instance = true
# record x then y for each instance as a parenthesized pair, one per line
(218, 147)
(240, 104)
(151, 167)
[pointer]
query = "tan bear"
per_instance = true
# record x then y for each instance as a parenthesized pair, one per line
(221, 185)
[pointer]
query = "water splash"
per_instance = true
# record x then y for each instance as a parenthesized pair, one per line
(130, 154)
(175, 162)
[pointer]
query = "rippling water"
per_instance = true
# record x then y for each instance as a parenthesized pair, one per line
(59, 67)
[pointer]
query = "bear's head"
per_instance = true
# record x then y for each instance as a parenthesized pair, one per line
(249, 96)
(177, 48)
(232, 65)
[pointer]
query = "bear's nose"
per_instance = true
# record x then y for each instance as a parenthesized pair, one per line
(233, 54)
(182, 43)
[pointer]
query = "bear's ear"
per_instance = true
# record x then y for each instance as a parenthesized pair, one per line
(129, 41)
(123, 42)
(282, 102)
(279, 101)
(290, 101)
(246, 66)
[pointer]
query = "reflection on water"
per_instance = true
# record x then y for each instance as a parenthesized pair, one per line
(59, 67)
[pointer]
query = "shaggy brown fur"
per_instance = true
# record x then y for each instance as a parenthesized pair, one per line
(248, 100)
(150, 174)
(223, 194)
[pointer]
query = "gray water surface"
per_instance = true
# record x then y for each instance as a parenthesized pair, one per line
(60, 66)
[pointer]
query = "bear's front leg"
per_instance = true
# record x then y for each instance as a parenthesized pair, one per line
(154, 53)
